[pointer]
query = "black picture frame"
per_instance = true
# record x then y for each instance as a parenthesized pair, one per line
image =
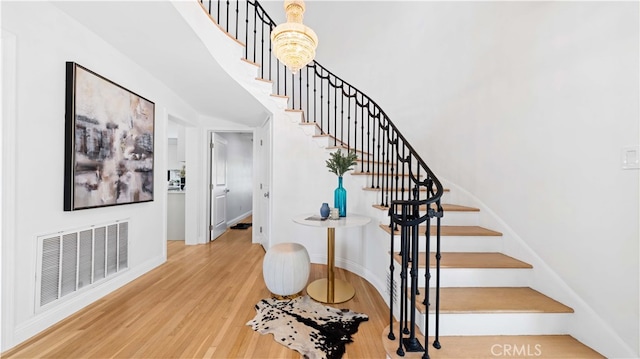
(109, 142)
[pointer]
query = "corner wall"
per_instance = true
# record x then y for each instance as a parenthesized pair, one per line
(536, 134)
(46, 38)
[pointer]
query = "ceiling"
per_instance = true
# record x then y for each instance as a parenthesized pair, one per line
(155, 36)
(410, 57)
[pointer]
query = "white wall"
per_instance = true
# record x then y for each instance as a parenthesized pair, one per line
(46, 38)
(536, 131)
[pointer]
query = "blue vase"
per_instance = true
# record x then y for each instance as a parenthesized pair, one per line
(324, 210)
(340, 198)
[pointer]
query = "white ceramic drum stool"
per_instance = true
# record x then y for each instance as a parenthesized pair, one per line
(286, 269)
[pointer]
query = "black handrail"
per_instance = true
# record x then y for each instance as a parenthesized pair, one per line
(406, 185)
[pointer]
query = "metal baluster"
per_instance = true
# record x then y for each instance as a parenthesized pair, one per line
(237, 16)
(392, 266)
(349, 119)
(342, 113)
(335, 114)
(362, 132)
(369, 141)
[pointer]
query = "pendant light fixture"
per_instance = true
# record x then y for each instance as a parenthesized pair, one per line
(294, 44)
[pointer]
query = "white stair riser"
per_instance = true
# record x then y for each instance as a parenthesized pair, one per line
(310, 130)
(475, 277)
(458, 244)
(323, 141)
(498, 323)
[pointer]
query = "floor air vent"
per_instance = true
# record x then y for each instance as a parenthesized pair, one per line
(71, 261)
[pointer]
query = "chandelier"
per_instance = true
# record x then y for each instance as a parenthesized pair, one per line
(294, 44)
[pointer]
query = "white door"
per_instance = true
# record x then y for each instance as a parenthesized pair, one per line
(265, 184)
(218, 186)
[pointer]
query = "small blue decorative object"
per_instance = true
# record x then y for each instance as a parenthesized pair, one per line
(340, 198)
(324, 210)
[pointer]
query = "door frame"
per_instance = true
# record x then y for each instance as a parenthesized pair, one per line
(259, 222)
(254, 192)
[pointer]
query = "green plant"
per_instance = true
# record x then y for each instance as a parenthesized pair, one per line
(340, 163)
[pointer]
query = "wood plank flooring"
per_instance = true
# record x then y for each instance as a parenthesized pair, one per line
(197, 303)
(195, 306)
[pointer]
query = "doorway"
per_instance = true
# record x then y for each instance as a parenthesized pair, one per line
(176, 167)
(231, 180)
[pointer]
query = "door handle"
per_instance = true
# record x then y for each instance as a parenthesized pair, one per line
(266, 195)
(226, 190)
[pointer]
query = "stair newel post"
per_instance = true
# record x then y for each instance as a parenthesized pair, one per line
(427, 274)
(436, 342)
(416, 212)
(406, 252)
(412, 344)
(391, 336)
(403, 281)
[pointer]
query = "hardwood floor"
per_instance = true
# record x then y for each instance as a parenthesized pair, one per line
(195, 306)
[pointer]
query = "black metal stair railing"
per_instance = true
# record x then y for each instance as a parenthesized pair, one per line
(353, 121)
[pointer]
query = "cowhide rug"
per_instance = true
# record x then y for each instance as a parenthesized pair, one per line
(310, 328)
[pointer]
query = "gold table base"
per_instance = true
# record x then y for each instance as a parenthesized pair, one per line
(331, 290)
(319, 291)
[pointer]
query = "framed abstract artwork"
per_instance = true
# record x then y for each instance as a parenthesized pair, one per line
(109, 133)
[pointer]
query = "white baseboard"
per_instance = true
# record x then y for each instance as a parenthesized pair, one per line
(239, 218)
(50, 317)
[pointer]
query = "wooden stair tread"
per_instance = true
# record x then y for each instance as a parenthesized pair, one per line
(375, 173)
(446, 206)
(452, 230)
(422, 189)
(469, 260)
(460, 300)
(480, 347)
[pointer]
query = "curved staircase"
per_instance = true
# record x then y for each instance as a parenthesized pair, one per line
(486, 306)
